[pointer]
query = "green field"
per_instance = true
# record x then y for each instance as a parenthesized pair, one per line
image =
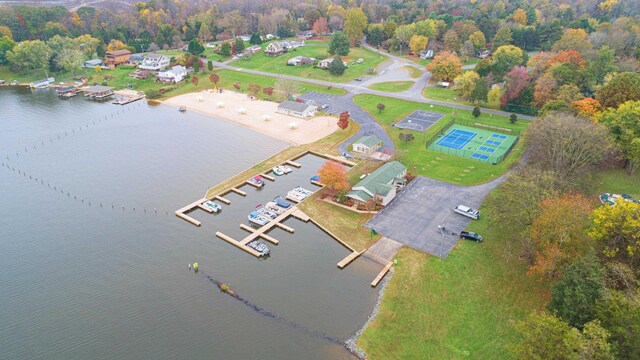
(433, 164)
(443, 94)
(278, 64)
(462, 307)
(392, 86)
(485, 145)
(413, 71)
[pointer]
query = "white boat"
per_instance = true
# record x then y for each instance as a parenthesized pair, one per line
(213, 206)
(296, 195)
(285, 168)
(257, 180)
(276, 170)
(302, 190)
(266, 212)
(257, 218)
(260, 247)
(274, 207)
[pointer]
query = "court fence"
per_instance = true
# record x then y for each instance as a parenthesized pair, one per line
(493, 159)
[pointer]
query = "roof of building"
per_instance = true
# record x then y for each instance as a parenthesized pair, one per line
(294, 106)
(97, 89)
(136, 57)
(119, 52)
(378, 181)
(278, 46)
(359, 195)
(368, 141)
(155, 56)
(94, 61)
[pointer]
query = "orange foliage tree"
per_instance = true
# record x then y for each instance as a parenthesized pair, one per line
(445, 66)
(320, 26)
(343, 121)
(558, 234)
(569, 56)
(334, 176)
(586, 107)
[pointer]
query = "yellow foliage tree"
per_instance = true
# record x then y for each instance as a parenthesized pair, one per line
(520, 16)
(617, 229)
(478, 39)
(115, 44)
(5, 31)
(445, 66)
(418, 43)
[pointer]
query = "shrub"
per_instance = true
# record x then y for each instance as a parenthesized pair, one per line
(153, 94)
(224, 288)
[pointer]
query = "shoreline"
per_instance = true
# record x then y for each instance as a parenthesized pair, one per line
(258, 115)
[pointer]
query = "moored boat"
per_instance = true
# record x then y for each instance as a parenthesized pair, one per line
(266, 212)
(285, 168)
(274, 207)
(257, 218)
(257, 181)
(260, 247)
(303, 191)
(213, 206)
(282, 202)
(276, 170)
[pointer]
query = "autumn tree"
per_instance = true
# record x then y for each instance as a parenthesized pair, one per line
(558, 234)
(574, 39)
(70, 59)
(343, 120)
(287, 87)
(334, 177)
(30, 55)
(520, 16)
(354, 24)
(268, 91)
(621, 88)
(516, 80)
(503, 37)
(544, 89)
(215, 79)
(625, 127)
(195, 80)
(339, 44)
(254, 89)
(320, 26)
(311, 16)
(88, 44)
(478, 40)
(493, 97)
(620, 315)
(574, 296)
(406, 137)
(380, 107)
(506, 58)
(445, 66)
(587, 107)
(616, 229)
(465, 83)
(418, 43)
(5, 31)
(567, 145)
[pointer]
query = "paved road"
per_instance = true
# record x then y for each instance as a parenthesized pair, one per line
(412, 218)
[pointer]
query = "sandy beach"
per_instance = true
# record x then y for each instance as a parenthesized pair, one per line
(258, 115)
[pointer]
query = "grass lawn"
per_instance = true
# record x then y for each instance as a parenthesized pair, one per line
(278, 64)
(616, 181)
(413, 72)
(8, 75)
(462, 307)
(434, 164)
(392, 86)
(443, 94)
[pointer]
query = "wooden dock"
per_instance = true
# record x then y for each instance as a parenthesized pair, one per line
(181, 212)
(240, 192)
(292, 199)
(210, 211)
(231, 241)
(383, 251)
(298, 214)
(221, 199)
(268, 177)
(382, 273)
(285, 227)
(318, 183)
(346, 261)
(294, 164)
(264, 236)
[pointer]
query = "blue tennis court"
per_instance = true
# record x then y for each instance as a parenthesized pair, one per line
(457, 139)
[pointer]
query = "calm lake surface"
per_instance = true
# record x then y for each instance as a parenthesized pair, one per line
(83, 278)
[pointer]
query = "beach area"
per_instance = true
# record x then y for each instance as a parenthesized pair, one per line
(258, 115)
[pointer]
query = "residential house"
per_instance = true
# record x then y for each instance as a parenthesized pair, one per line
(245, 37)
(300, 60)
(275, 48)
(270, 37)
(211, 45)
(305, 35)
(426, 54)
(367, 145)
(155, 62)
(381, 185)
(91, 64)
(297, 109)
(292, 44)
(483, 54)
(254, 49)
(117, 57)
(173, 75)
(324, 64)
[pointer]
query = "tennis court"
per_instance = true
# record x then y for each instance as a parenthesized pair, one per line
(474, 143)
(419, 120)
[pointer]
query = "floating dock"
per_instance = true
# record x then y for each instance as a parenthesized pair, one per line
(181, 212)
(221, 199)
(238, 191)
(268, 177)
(382, 273)
(257, 186)
(294, 164)
(346, 261)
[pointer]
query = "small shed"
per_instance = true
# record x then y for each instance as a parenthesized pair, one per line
(367, 145)
(91, 64)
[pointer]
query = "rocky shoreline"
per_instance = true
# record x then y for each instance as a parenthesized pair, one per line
(350, 344)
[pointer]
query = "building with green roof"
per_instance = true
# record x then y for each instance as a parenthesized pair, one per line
(381, 185)
(367, 145)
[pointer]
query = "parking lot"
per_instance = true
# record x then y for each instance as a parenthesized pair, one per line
(413, 217)
(322, 99)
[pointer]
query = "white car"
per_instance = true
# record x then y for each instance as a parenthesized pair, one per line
(467, 211)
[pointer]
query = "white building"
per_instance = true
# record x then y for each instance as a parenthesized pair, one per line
(155, 62)
(173, 75)
(296, 109)
(323, 64)
(300, 60)
(367, 145)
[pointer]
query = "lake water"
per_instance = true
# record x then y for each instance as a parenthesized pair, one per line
(94, 262)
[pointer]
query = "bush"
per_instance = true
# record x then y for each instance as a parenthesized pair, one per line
(224, 288)
(152, 94)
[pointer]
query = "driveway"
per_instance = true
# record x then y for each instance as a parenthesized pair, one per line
(413, 217)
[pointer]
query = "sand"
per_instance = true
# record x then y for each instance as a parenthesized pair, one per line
(305, 130)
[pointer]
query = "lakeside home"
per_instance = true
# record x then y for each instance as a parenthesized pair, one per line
(324, 64)
(367, 145)
(173, 75)
(300, 60)
(115, 58)
(381, 185)
(155, 62)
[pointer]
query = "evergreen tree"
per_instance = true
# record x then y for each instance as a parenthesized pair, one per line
(337, 67)
(195, 48)
(255, 39)
(239, 46)
(339, 44)
(476, 112)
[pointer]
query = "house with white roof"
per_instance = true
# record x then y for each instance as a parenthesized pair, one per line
(324, 64)
(300, 60)
(297, 109)
(173, 75)
(155, 62)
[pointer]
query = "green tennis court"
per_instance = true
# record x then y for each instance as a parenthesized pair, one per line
(474, 143)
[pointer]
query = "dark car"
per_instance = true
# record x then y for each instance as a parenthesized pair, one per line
(471, 236)
(358, 79)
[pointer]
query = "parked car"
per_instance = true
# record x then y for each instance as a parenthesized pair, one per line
(358, 79)
(324, 106)
(467, 211)
(471, 236)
